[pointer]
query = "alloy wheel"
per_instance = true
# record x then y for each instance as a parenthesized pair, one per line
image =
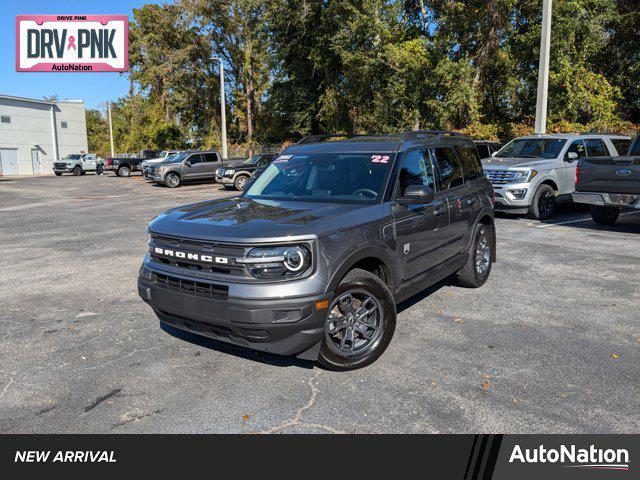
(483, 255)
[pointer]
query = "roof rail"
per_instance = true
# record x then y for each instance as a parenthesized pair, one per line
(604, 133)
(418, 134)
(328, 136)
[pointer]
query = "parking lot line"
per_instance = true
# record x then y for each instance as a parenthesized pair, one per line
(579, 220)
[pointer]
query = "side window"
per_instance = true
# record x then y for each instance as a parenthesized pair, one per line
(449, 168)
(622, 145)
(197, 158)
(470, 162)
(635, 149)
(416, 170)
(596, 148)
(577, 146)
(483, 151)
(209, 157)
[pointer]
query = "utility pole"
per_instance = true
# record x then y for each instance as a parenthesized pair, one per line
(223, 110)
(113, 153)
(543, 71)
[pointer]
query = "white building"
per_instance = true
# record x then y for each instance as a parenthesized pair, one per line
(36, 133)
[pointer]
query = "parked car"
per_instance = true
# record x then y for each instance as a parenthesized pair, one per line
(77, 163)
(530, 174)
(486, 148)
(609, 184)
(236, 175)
(315, 254)
(124, 166)
(162, 156)
(186, 166)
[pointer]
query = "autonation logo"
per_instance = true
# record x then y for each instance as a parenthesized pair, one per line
(590, 458)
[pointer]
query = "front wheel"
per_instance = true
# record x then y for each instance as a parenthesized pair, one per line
(240, 182)
(360, 322)
(604, 215)
(123, 172)
(172, 180)
(476, 272)
(543, 205)
(77, 171)
(58, 173)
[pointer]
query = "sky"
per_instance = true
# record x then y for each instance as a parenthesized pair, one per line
(94, 88)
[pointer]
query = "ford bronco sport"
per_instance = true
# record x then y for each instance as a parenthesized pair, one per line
(314, 255)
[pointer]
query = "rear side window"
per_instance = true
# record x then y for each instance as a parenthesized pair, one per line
(596, 147)
(470, 162)
(449, 168)
(622, 145)
(483, 151)
(210, 157)
(635, 149)
(416, 170)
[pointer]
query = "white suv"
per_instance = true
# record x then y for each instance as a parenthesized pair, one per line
(530, 174)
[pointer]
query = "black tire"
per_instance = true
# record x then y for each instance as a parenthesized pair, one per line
(472, 275)
(77, 170)
(361, 284)
(172, 180)
(124, 171)
(604, 215)
(543, 205)
(58, 173)
(228, 187)
(240, 182)
(83, 173)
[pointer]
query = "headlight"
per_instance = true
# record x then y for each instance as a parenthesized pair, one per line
(524, 176)
(160, 170)
(229, 172)
(278, 262)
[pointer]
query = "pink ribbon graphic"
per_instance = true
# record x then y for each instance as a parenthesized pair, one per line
(72, 43)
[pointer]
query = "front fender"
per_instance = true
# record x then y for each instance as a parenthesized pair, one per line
(379, 251)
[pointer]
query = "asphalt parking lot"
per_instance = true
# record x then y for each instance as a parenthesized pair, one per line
(551, 344)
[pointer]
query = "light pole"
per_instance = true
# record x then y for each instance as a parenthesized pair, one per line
(113, 153)
(223, 112)
(543, 71)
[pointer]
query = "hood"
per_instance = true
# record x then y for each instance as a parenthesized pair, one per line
(246, 220)
(236, 163)
(495, 163)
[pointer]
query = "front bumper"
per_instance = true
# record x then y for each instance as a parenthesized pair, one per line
(62, 170)
(280, 326)
(508, 201)
(630, 202)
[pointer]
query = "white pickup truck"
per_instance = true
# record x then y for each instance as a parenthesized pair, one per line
(77, 163)
(530, 174)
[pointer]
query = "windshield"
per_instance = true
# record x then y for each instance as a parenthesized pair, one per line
(177, 158)
(324, 177)
(532, 148)
(72, 157)
(253, 159)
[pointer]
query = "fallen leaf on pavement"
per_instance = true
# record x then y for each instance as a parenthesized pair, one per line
(245, 417)
(615, 356)
(485, 385)
(458, 320)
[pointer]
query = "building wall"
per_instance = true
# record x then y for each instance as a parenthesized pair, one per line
(30, 128)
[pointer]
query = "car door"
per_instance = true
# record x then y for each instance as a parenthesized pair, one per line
(461, 196)
(422, 231)
(192, 167)
(569, 166)
(210, 163)
(89, 162)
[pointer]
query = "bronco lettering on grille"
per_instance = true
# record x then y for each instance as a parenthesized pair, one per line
(190, 256)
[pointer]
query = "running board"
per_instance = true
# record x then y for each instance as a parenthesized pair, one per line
(430, 277)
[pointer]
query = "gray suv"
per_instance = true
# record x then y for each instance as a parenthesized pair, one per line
(185, 166)
(313, 257)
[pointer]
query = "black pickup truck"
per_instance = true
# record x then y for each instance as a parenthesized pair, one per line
(609, 184)
(124, 166)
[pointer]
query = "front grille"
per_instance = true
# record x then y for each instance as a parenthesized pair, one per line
(60, 165)
(500, 177)
(199, 289)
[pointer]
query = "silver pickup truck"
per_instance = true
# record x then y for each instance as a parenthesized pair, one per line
(77, 163)
(609, 184)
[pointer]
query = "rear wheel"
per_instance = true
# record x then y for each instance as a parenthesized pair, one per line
(240, 182)
(360, 322)
(172, 180)
(543, 205)
(476, 272)
(124, 171)
(77, 170)
(604, 215)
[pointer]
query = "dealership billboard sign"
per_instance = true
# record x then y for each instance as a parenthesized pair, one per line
(72, 43)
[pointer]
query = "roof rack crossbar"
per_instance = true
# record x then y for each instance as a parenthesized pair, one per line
(416, 134)
(328, 136)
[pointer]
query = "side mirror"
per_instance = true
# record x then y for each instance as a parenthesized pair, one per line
(187, 163)
(571, 156)
(417, 194)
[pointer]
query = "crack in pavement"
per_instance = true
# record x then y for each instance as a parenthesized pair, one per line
(5, 388)
(296, 420)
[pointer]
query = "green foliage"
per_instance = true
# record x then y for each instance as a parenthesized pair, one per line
(299, 67)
